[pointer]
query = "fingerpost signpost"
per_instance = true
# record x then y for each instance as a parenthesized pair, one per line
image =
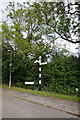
(38, 61)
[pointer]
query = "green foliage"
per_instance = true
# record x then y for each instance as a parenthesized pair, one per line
(61, 75)
(58, 18)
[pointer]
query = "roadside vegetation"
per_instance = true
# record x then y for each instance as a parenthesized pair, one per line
(32, 31)
(61, 75)
(44, 93)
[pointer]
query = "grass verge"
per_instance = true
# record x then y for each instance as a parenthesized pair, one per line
(44, 93)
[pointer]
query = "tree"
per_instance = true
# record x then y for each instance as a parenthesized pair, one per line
(34, 21)
(24, 49)
(56, 19)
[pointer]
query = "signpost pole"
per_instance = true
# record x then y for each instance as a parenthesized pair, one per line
(10, 65)
(39, 73)
(40, 70)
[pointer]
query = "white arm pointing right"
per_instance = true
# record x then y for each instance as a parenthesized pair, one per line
(37, 61)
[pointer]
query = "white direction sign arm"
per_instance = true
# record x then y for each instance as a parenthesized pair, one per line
(31, 83)
(36, 61)
(44, 63)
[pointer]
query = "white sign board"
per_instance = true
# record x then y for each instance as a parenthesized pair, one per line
(31, 83)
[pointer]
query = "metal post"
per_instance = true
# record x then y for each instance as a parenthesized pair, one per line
(10, 70)
(10, 79)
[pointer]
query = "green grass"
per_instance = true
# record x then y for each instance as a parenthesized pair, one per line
(44, 93)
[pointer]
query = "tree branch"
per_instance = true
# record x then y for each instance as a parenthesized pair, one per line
(62, 36)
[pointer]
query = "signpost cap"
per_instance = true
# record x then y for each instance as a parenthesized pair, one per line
(40, 57)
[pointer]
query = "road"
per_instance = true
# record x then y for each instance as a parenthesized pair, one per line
(13, 107)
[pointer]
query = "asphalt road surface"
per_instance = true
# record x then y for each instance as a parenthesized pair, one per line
(13, 107)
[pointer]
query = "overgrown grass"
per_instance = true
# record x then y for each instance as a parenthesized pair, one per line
(44, 93)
